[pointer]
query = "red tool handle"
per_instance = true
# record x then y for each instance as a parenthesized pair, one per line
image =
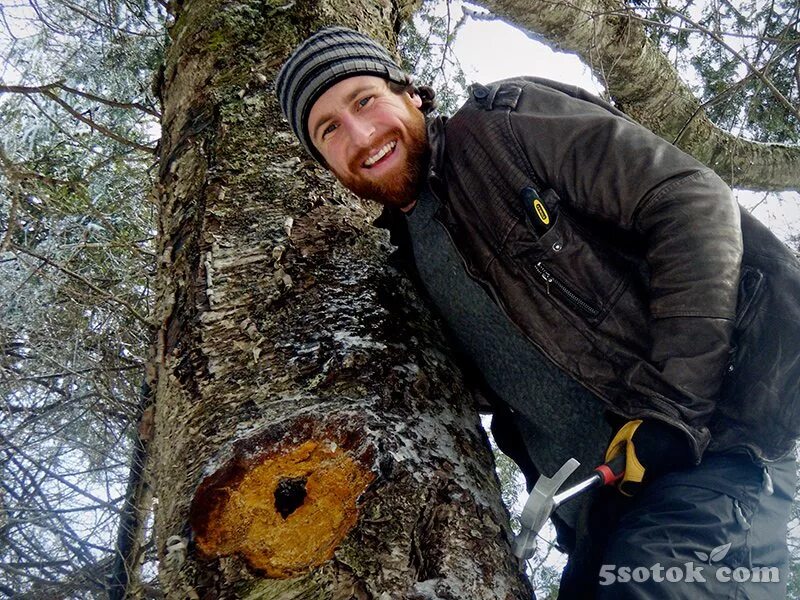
(612, 471)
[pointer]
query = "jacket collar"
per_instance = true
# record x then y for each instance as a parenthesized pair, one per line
(436, 126)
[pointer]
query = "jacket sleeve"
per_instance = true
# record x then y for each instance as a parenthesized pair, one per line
(615, 171)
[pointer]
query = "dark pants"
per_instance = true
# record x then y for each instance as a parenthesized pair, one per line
(711, 531)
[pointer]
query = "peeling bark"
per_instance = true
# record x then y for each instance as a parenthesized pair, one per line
(313, 438)
(644, 84)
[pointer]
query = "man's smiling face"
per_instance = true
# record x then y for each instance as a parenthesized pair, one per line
(372, 139)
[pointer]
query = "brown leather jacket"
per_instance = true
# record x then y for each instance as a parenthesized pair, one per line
(631, 285)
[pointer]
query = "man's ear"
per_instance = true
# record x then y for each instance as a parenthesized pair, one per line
(415, 99)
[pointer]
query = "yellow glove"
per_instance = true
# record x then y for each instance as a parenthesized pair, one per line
(623, 444)
(651, 448)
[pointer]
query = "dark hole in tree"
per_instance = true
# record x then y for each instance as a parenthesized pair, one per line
(289, 495)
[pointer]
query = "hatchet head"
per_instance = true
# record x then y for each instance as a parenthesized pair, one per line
(538, 508)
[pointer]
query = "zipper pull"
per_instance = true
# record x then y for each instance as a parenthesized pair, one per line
(548, 279)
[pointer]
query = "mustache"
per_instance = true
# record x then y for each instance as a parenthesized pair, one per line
(363, 155)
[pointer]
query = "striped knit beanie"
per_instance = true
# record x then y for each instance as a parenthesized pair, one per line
(324, 59)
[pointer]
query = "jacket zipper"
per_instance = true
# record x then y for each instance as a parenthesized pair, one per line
(486, 285)
(565, 292)
(547, 355)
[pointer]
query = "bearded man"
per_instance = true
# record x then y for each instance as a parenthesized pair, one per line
(610, 295)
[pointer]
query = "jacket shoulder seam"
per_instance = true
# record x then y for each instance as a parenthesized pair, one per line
(688, 313)
(667, 189)
(520, 150)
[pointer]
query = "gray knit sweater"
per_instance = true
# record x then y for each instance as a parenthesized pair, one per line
(557, 417)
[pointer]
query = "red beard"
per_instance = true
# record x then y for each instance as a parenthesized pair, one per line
(401, 186)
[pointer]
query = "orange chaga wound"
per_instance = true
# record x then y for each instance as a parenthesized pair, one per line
(284, 513)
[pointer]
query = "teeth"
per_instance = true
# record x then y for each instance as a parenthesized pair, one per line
(380, 154)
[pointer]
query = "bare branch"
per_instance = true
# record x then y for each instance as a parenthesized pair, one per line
(9, 31)
(80, 580)
(797, 71)
(55, 476)
(27, 89)
(137, 496)
(45, 21)
(79, 372)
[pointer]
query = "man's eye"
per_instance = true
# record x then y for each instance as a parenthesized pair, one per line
(364, 101)
(329, 129)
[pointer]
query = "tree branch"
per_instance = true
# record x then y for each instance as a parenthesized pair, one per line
(97, 127)
(47, 90)
(644, 84)
(797, 70)
(131, 522)
(18, 173)
(108, 102)
(78, 372)
(85, 281)
(750, 66)
(11, 221)
(50, 474)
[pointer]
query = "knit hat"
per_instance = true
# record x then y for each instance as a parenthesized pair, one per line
(327, 57)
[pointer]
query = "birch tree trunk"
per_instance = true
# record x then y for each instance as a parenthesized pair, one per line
(313, 439)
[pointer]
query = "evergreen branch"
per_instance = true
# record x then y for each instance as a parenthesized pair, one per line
(96, 126)
(16, 172)
(106, 101)
(730, 90)
(60, 128)
(124, 244)
(89, 284)
(107, 25)
(716, 37)
(47, 90)
(79, 372)
(682, 29)
(11, 222)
